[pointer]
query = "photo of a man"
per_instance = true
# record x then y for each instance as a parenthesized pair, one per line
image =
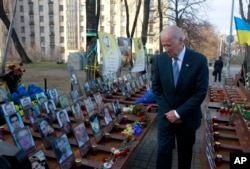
(77, 111)
(62, 148)
(15, 122)
(46, 128)
(81, 134)
(106, 115)
(8, 108)
(63, 120)
(26, 103)
(95, 124)
(53, 94)
(24, 139)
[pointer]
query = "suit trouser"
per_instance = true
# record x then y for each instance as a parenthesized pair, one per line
(185, 138)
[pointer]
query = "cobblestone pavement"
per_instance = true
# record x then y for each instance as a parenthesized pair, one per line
(144, 156)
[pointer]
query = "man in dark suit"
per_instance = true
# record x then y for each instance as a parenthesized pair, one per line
(218, 65)
(179, 112)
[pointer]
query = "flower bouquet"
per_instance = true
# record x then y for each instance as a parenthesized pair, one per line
(13, 76)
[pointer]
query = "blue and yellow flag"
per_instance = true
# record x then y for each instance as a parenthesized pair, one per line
(243, 31)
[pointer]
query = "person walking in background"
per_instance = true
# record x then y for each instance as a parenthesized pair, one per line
(179, 112)
(218, 65)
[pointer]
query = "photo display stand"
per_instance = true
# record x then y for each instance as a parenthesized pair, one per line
(77, 112)
(117, 110)
(64, 102)
(86, 87)
(35, 116)
(37, 159)
(96, 127)
(74, 80)
(74, 96)
(64, 121)
(8, 108)
(107, 118)
(24, 140)
(99, 101)
(51, 109)
(53, 94)
(14, 122)
(82, 138)
(47, 132)
(64, 154)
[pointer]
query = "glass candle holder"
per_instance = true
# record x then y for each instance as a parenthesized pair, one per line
(215, 126)
(218, 160)
(216, 135)
(94, 150)
(106, 137)
(217, 146)
(78, 163)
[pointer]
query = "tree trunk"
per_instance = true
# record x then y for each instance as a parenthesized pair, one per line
(92, 28)
(19, 48)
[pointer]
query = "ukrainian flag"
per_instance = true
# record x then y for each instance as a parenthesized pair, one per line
(243, 31)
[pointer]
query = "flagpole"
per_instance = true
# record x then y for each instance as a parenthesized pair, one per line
(230, 40)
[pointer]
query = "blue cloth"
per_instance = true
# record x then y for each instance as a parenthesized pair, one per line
(148, 97)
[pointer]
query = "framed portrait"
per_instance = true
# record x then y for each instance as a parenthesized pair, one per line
(89, 105)
(77, 111)
(26, 103)
(64, 121)
(117, 110)
(24, 140)
(98, 100)
(8, 108)
(124, 92)
(47, 131)
(141, 81)
(53, 94)
(35, 116)
(129, 77)
(50, 108)
(107, 118)
(14, 122)
(74, 80)
(82, 138)
(129, 89)
(63, 152)
(38, 160)
(74, 96)
(96, 127)
(41, 98)
(3, 94)
(64, 101)
(86, 88)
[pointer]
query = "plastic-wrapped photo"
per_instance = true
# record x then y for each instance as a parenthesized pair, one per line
(14, 121)
(8, 108)
(38, 160)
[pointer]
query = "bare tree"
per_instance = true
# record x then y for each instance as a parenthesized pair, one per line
(24, 57)
(92, 27)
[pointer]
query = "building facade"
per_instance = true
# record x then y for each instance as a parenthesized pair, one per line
(56, 28)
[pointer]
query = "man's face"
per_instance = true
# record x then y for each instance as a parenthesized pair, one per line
(24, 139)
(15, 122)
(61, 146)
(63, 118)
(9, 109)
(80, 132)
(171, 45)
(44, 126)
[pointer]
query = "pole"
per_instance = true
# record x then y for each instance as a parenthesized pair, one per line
(7, 43)
(230, 40)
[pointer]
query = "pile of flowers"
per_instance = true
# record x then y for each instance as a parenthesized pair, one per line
(130, 132)
(13, 76)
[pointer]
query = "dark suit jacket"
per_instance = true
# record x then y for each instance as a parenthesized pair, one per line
(189, 92)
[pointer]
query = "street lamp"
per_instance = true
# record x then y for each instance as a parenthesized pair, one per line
(230, 39)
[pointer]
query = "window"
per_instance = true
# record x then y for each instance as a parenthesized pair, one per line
(102, 28)
(23, 40)
(40, 8)
(22, 19)
(61, 39)
(21, 8)
(112, 30)
(42, 39)
(42, 29)
(22, 29)
(60, 7)
(151, 28)
(81, 18)
(61, 29)
(61, 18)
(81, 7)
(81, 28)
(41, 18)
(102, 8)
